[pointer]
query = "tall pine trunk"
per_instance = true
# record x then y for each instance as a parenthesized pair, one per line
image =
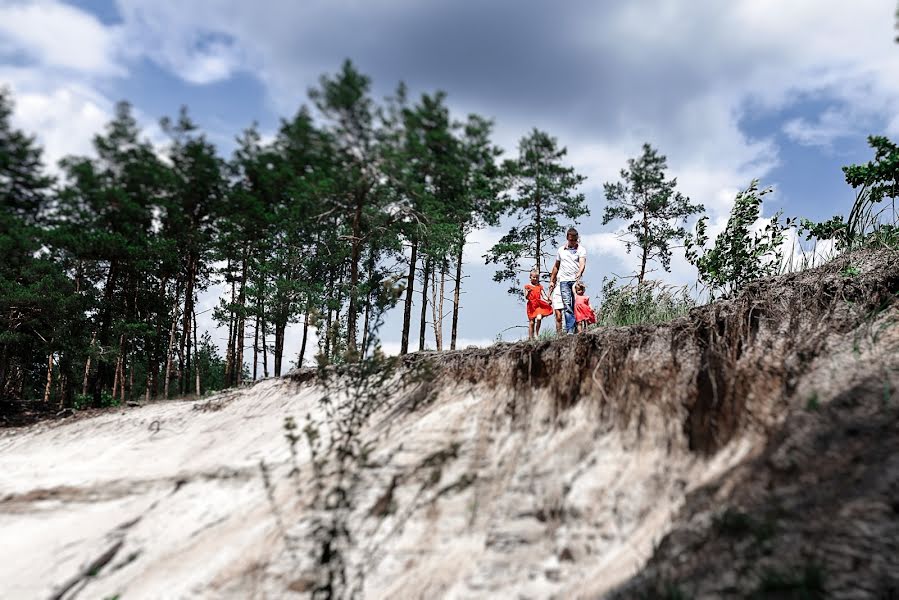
(424, 304)
(368, 300)
(196, 355)
(280, 328)
(438, 316)
(87, 364)
(171, 348)
(305, 336)
(229, 352)
(49, 378)
(184, 363)
(256, 347)
(354, 271)
(538, 251)
(645, 249)
(457, 292)
(99, 378)
(241, 326)
(407, 309)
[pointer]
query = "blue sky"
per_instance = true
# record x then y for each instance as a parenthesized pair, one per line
(783, 91)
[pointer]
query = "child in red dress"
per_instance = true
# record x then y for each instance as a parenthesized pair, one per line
(583, 312)
(538, 307)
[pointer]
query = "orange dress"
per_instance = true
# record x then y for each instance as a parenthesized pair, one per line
(582, 309)
(536, 304)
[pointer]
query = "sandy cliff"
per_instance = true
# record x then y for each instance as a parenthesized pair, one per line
(754, 439)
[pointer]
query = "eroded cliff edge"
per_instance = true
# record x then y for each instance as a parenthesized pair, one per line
(630, 461)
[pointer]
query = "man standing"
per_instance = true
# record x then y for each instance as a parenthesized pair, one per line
(570, 263)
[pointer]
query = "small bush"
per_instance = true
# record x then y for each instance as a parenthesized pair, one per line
(813, 403)
(651, 302)
(81, 401)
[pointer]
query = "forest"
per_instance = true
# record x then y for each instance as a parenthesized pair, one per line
(354, 207)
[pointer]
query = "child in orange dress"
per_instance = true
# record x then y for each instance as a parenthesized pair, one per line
(538, 307)
(583, 312)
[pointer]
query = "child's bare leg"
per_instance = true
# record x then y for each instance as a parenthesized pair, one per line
(530, 329)
(537, 321)
(558, 322)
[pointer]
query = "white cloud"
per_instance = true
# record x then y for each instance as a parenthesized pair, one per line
(198, 50)
(65, 119)
(59, 36)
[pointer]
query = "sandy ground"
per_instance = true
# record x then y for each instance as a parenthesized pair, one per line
(176, 492)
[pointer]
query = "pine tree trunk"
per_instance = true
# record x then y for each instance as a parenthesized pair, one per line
(407, 309)
(368, 302)
(49, 378)
(537, 251)
(150, 369)
(196, 356)
(229, 352)
(457, 292)
(327, 333)
(354, 271)
(279, 347)
(264, 343)
(305, 336)
(438, 318)
(118, 378)
(87, 364)
(256, 348)
(365, 325)
(645, 249)
(99, 378)
(184, 375)
(171, 349)
(424, 304)
(122, 378)
(434, 317)
(242, 322)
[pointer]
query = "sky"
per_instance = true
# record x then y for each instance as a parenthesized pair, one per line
(786, 92)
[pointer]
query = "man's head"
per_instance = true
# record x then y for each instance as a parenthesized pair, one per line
(572, 236)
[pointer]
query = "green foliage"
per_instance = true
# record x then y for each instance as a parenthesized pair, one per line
(544, 205)
(850, 271)
(871, 221)
(814, 403)
(658, 212)
(646, 303)
(39, 310)
(740, 254)
(881, 175)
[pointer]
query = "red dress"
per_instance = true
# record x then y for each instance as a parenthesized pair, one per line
(582, 309)
(536, 304)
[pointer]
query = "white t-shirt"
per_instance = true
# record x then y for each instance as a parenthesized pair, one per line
(568, 261)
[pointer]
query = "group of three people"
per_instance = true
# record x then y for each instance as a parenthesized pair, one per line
(568, 293)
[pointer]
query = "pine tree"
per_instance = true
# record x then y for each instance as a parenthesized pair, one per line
(196, 190)
(104, 232)
(38, 307)
(657, 210)
(544, 204)
(345, 103)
